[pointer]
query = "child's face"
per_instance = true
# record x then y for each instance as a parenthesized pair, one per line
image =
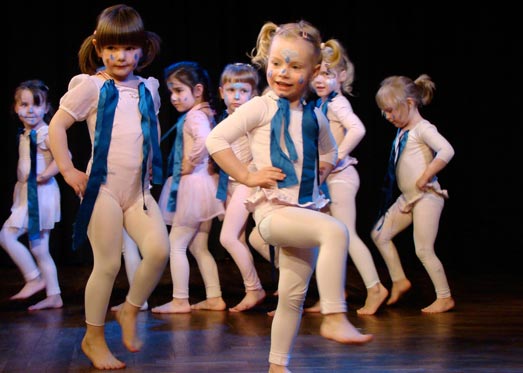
(326, 81)
(290, 67)
(31, 115)
(182, 97)
(120, 60)
(235, 94)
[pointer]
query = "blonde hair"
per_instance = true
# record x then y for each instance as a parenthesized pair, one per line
(396, 89)
(335, 57)
(240, 72)
(301, 29)
(118, 24)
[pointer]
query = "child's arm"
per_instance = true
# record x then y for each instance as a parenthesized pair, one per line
(59, 147)
(266, 177)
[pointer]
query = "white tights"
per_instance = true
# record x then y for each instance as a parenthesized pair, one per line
(299, 232)
(232, 236)
(424, 216)
(147, 229)
(23, 259)
(343, 187)
(197, 239)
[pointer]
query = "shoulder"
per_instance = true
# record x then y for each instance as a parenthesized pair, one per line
(85, 80)
(151, 83)
(340, 102)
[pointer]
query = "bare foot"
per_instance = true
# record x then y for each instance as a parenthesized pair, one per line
(174, 306)
(126, 317)
(275, 368)
(313, 309)
(145, 307)
(210, 304)
(376, 295)
(252, 298)
(398, 289)
(52, 301)
(337, 327)
(97, 351)
(30, 288)
(440, 305)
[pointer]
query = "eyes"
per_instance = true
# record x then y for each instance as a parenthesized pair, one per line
(276, 63)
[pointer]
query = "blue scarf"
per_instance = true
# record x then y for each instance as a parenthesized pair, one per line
(390, 177)
(324, 106)
(175, 163)
(32, 192)
(223, 181)
(310, 131)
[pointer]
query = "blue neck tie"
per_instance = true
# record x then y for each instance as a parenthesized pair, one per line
(175, 163)
(310, 131)
(390, 178)
(223, 181)
(104, 125)
(32, 192)
(278, 157)
(324, 106)
(150, 136)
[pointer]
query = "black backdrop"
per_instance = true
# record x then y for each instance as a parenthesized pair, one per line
(473, 55)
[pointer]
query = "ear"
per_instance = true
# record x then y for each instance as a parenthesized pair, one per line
(96, 47)
(342, 76)
(198, 90)
(220, 89)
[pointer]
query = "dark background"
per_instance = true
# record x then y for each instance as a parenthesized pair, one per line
(473, 56)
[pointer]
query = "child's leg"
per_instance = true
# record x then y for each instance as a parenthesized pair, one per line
(304, 230)
(105, 235)
(147, 229)
(233, 228)
(132, 259)
(40, 249)
(208, 269)
(427, 213)
(23, 259)
(179, 239)
(394, 222)
(343, 207)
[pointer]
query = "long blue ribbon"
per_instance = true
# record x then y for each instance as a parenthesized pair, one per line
(150, 135)
(32, 192)
(175, 163)
(278, 157)
(104, 125)
(390, 176)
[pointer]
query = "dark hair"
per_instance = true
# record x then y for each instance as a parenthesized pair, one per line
(191, 73)
(40, 93)
(118, 24)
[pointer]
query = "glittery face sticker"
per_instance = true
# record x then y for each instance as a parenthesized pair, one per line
(136, 57)
(301, 80)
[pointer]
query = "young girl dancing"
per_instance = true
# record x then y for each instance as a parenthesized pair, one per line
(418, 153)
(333, 81)
(286, 139)
(36, 198)
(238, 84)
(120, 109)
(188, 198)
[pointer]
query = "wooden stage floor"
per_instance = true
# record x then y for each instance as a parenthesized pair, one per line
(484, 333)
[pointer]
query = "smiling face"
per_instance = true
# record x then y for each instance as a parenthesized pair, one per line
(30, 113)
(290, 67)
